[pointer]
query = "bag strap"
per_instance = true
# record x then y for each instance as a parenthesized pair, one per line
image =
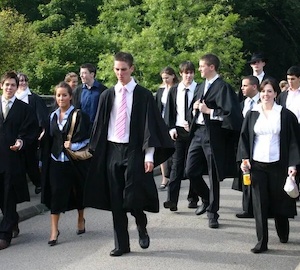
(70, 134)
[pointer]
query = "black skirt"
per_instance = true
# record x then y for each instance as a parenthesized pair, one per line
(66, 187)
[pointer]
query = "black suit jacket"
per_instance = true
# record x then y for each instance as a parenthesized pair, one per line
(20, 123)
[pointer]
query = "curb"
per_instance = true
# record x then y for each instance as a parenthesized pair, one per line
(32, 211)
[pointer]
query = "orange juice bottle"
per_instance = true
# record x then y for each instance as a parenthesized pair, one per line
(246, 176)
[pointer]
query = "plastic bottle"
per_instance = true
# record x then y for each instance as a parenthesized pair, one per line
(246, 175)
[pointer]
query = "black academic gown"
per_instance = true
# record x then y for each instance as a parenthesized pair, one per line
(223, 135)
(147, 129)
(20, 123)
(80, 133)
(289, 155)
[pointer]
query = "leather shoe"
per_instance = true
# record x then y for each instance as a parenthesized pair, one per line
(244, 215)
(144, 239)
(170, 205)
(119, 252)
(256, 250)
(201, 209)
(15, 231)
(4, 244)
(38, 190)
(213, 223)
(284, 240)
(193, 205)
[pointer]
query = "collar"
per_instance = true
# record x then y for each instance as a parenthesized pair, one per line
(211, 81)
(181, 86)
(276, 108)
(255, 98)
(129, 86)
(290, 90)
(57, 111)
(12, 100)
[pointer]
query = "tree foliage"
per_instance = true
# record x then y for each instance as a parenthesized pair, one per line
(48, 38)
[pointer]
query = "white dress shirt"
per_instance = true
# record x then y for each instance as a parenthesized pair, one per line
(267, 135)
(200, 119)
(293, 102)
(180, 102)
(247, 103)
(111, 136)
(260, 76)
(10, 104)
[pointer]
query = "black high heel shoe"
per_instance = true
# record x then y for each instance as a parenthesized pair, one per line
(54, 242)
(78, 232)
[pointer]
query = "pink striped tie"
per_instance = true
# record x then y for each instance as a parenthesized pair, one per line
(121, 116)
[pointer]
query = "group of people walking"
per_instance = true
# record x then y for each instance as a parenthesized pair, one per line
(190, 129)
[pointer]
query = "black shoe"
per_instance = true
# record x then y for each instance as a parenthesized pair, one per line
(119, 252)
(38, 190)
(258, 250)
(284, 240)
(170, 205)
(4, 244)
(213, 223)
(54, 242)
(193, 205)
(201, 209)
(78, 232)
(144, 239)
(244, 215)
(15, 231)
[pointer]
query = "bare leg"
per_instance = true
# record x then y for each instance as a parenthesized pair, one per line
(163, 168)
(54, 226)
(81, 221)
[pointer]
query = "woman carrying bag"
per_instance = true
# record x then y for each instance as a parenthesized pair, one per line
(269, 148)
(63, 177)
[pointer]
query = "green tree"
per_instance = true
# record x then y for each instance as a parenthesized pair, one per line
(17, 40)
(59, 53)
(166, 32)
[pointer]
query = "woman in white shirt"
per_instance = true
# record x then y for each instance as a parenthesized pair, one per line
(270, 148)
(169, 78)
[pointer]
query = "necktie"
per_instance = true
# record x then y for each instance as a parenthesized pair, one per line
(186, 104)
(121, 116)
(251, 104)
(6, 109)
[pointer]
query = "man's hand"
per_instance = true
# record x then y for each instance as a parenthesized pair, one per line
(17, 146)
(203, 108)
(173, 134)
(149, 166)
(292, 171)
(196, 105)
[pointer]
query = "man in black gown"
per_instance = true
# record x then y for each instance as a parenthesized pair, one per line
(129, 138)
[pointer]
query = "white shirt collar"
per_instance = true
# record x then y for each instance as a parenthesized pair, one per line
(181, 86)
(129, 86)
(276, 108)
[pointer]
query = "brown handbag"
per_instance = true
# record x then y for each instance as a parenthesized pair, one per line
(81, 154)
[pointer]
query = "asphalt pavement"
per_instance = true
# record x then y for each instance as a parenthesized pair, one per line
(179, 240)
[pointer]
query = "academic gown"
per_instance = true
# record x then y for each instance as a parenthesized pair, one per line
(289, 155)
(223, 135)
(80, 133)
(147, 129)
(20, 123)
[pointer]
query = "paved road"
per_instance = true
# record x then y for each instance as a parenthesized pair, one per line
(179, 240)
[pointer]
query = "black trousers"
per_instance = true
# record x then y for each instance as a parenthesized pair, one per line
(247, 199)
(32, 164)
(199, 154)
(263, 174)
(116, 172)
(178, 168)
(8, 206)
